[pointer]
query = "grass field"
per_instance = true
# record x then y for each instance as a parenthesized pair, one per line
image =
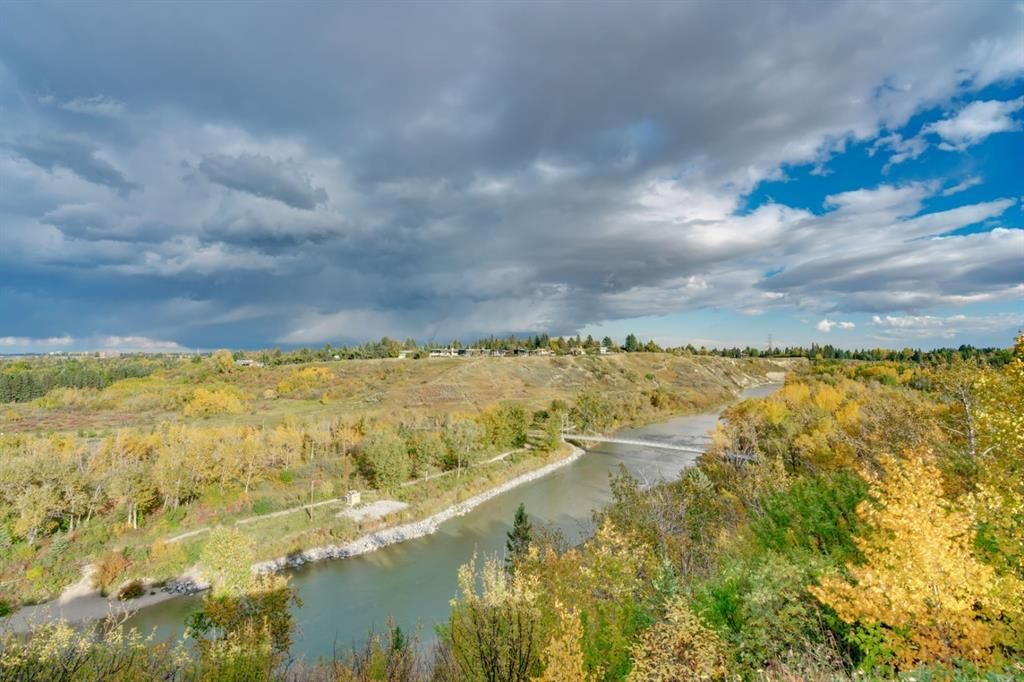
(425, 388)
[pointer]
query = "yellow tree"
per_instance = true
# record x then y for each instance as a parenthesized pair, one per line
(920, 586)
(563, 656)
(679, 648)
(494, 630)
(225, 561)
(222, 361)
(1000, 412)
(997, 503)
(206, 402)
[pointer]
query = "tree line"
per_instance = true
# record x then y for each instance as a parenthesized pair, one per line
(24, 380)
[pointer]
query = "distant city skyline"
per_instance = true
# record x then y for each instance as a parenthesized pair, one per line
(707, 173)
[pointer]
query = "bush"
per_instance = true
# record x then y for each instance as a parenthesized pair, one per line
(301, 383)
(680, 647)
(818, 515)
(385, 457)
(262, 506)
(59, 545)
(206, 402)
(108, 569)
(131, 590)
(761, 606)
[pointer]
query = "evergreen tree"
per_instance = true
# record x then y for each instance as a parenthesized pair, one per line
(519, 538)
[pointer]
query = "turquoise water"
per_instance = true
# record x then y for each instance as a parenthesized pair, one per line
(412, 582)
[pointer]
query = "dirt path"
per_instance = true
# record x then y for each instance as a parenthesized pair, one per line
(492, 460)
(283, 512)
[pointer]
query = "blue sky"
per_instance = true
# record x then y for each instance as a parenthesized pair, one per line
(706, 173)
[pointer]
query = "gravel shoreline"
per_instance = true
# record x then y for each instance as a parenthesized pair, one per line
(409, 531)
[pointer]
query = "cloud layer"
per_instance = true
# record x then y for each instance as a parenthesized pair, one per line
(487, 169)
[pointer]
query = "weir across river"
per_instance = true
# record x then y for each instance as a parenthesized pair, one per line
(631, 441)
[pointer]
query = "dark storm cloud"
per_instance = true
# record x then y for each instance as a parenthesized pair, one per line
(316, 172)
(264, 177)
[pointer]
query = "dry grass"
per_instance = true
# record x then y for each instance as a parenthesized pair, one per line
(415, 388)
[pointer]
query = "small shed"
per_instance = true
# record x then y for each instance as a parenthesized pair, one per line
(352, 498)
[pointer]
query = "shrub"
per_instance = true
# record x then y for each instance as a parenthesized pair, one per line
(131, 590)
(206, 402)
(385, 457)
(59, 544)
(813, 514)
(175, 516)
(762, 607)
(225, 560)
(108, 569)
(67, 398)
(680, 647)
(303, 381)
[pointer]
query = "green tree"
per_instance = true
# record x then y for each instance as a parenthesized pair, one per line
(385, 457)
(519, 538)
(245, 636)
(428, 451)
(632, 344)
(463, 438)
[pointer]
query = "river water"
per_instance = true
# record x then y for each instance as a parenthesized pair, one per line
(412, 582)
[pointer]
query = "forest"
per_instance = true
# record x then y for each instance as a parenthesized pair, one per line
(865, 521)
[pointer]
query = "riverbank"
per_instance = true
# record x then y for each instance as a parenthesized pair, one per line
(83, 607)
(81, 602)
(409, 531)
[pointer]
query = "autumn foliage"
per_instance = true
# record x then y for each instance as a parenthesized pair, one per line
(865, 521)
(920, 588)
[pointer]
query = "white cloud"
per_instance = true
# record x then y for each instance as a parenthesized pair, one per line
(100, 342)
(25, 341)
(137, 344)
(902, 149)
(873, 254)
(962, 186)
(932, 326)
(826, 325)
(975, 122)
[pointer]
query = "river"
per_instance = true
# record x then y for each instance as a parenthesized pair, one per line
(412, 582)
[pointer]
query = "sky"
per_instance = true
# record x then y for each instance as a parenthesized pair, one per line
(294, 174)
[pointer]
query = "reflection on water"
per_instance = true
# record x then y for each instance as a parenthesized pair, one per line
(412, 582)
